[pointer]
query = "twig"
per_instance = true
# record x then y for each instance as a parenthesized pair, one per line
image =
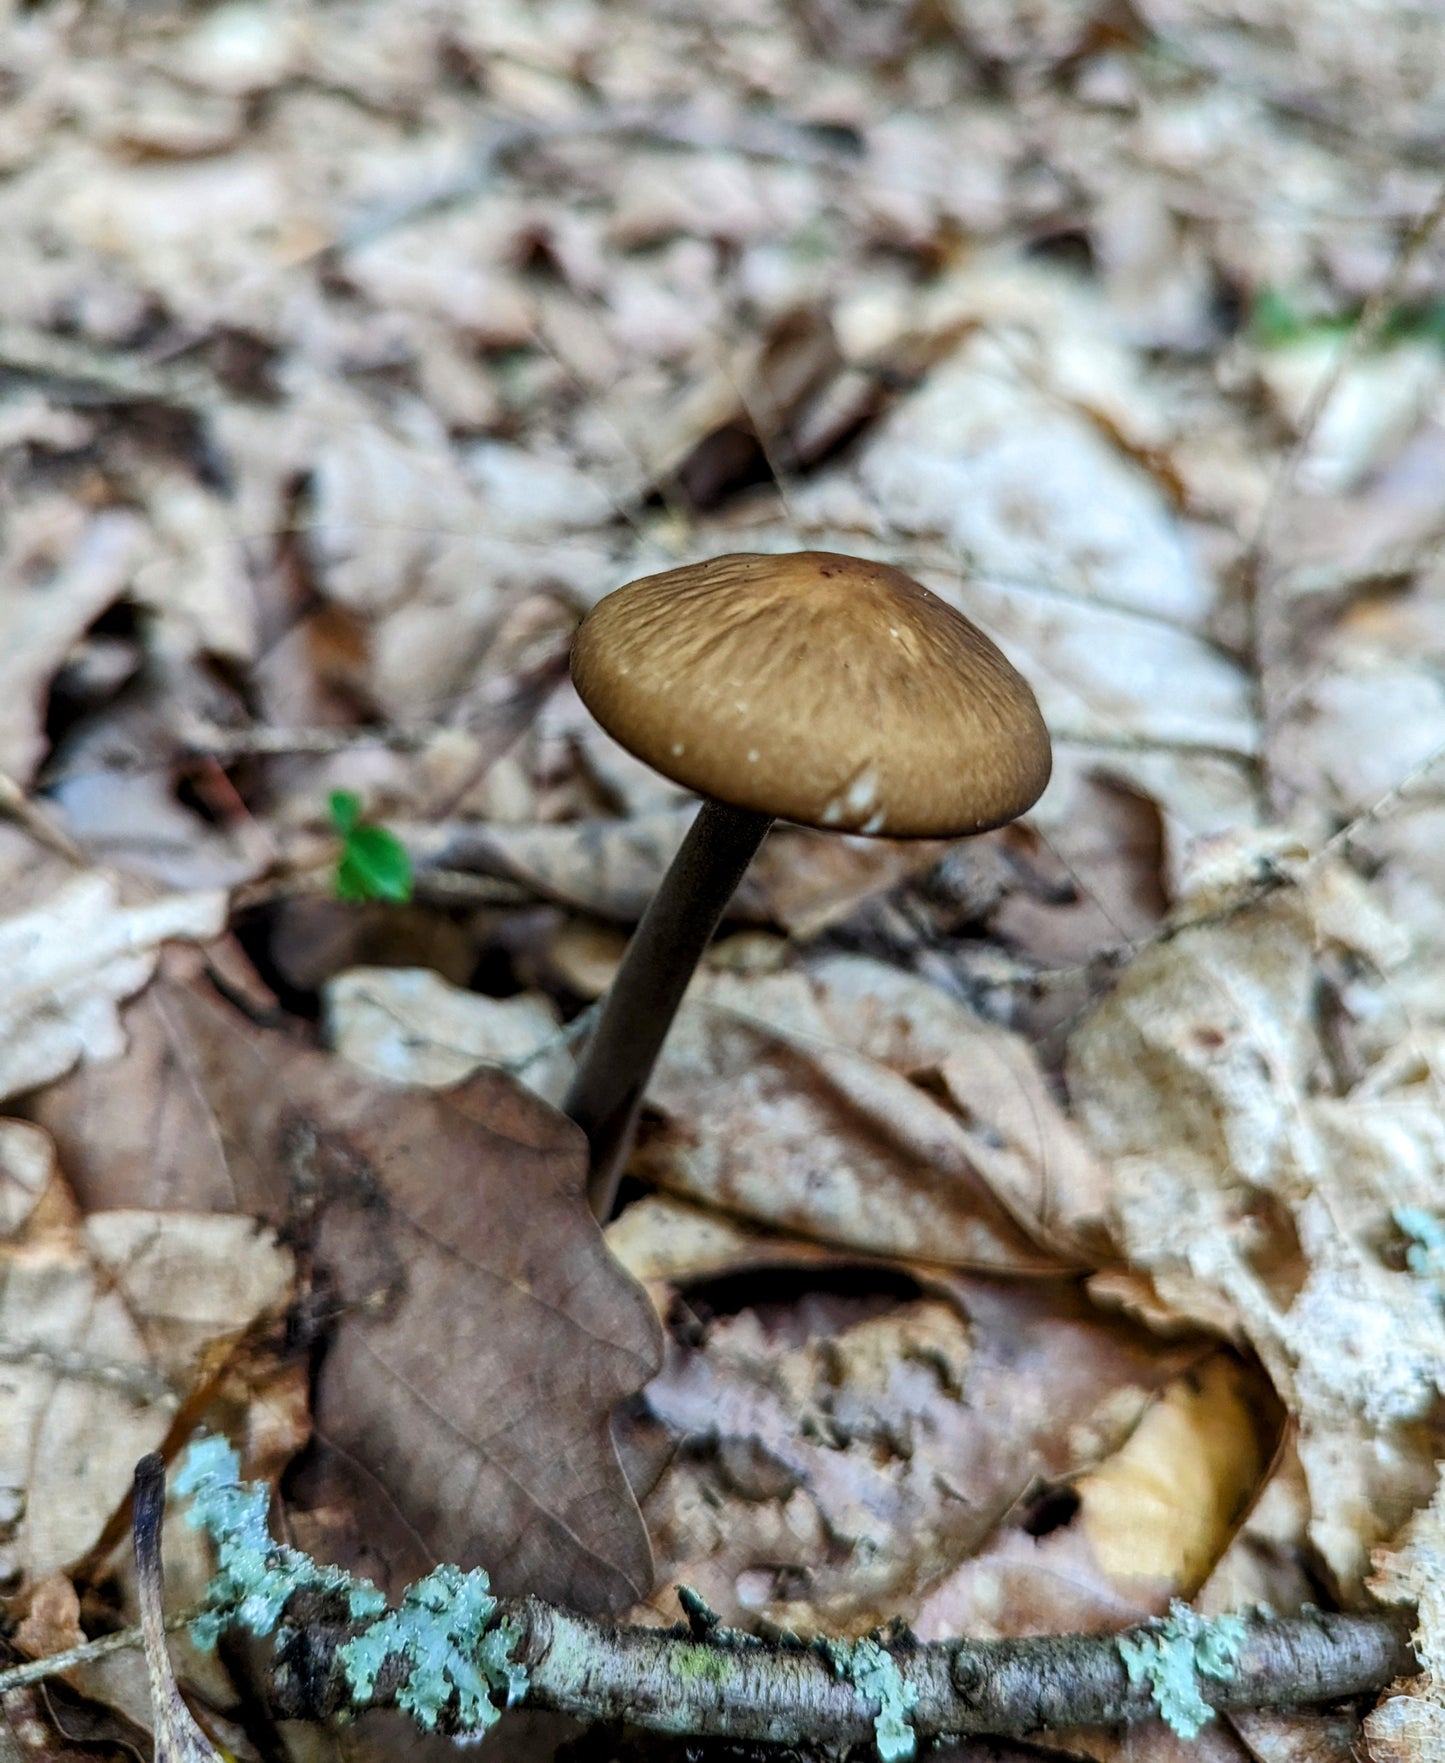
(124, 1640)
(431, 887)
(719, 1683)
(101, 375)
(714, 1682)
(16, 805)
(238, 743)
(756, 138)
(1373, 314)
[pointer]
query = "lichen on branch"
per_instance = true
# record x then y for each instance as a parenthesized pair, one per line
(446, 1643)
(453, 1655)
(1173, 1657)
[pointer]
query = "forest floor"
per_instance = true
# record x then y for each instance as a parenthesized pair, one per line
(1043, 1227)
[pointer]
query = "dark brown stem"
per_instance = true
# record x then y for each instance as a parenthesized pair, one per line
(606, 1094)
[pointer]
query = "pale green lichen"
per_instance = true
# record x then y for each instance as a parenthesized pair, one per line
(707, 1662)
(459, 1656)
(1172, 1657)
(875, 1672)
(445, 1626)
(1425, 1256)
(255, 1574)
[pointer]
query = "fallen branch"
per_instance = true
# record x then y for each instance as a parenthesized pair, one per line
(709, 1682)
(452, 1655)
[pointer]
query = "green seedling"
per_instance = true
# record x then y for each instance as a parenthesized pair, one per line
(374, 864)
(1278, 322)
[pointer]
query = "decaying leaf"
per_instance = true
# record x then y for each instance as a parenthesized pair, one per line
(103, 1323)
(1259, 1202)
(854, 1103)
(483, 1333)
(1133, 1532)
(1409, 1726)
(847, 1432)
(69, 964)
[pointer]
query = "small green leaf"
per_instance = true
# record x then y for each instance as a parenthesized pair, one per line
(1275, 320)
(374, 866)
(345, 811)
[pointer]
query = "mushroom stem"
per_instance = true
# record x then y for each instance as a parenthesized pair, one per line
(606, 1094)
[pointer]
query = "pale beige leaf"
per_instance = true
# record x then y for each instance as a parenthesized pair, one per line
(1410, 1727)
(59, 570)
(1259, 1207)
(70, 963)
(101, 1328)
(856, 1104)
(409, 1026)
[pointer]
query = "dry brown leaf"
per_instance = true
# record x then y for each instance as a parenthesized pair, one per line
(485, 1334)
(137, 1131)
(52, 1618)
(854, 1103)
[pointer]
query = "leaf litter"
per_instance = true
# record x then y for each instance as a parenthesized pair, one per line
(1004, 1193)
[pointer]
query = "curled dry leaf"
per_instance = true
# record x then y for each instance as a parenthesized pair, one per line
(51, 1623)
(856, 1104)
(59, 570)
(1133, 1532)
(668, 1243)
(483, 1333)
(848, 1439)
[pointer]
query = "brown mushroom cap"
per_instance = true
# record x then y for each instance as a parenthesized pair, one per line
(818, 688)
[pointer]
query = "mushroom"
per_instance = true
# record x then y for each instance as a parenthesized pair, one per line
(812, 687)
